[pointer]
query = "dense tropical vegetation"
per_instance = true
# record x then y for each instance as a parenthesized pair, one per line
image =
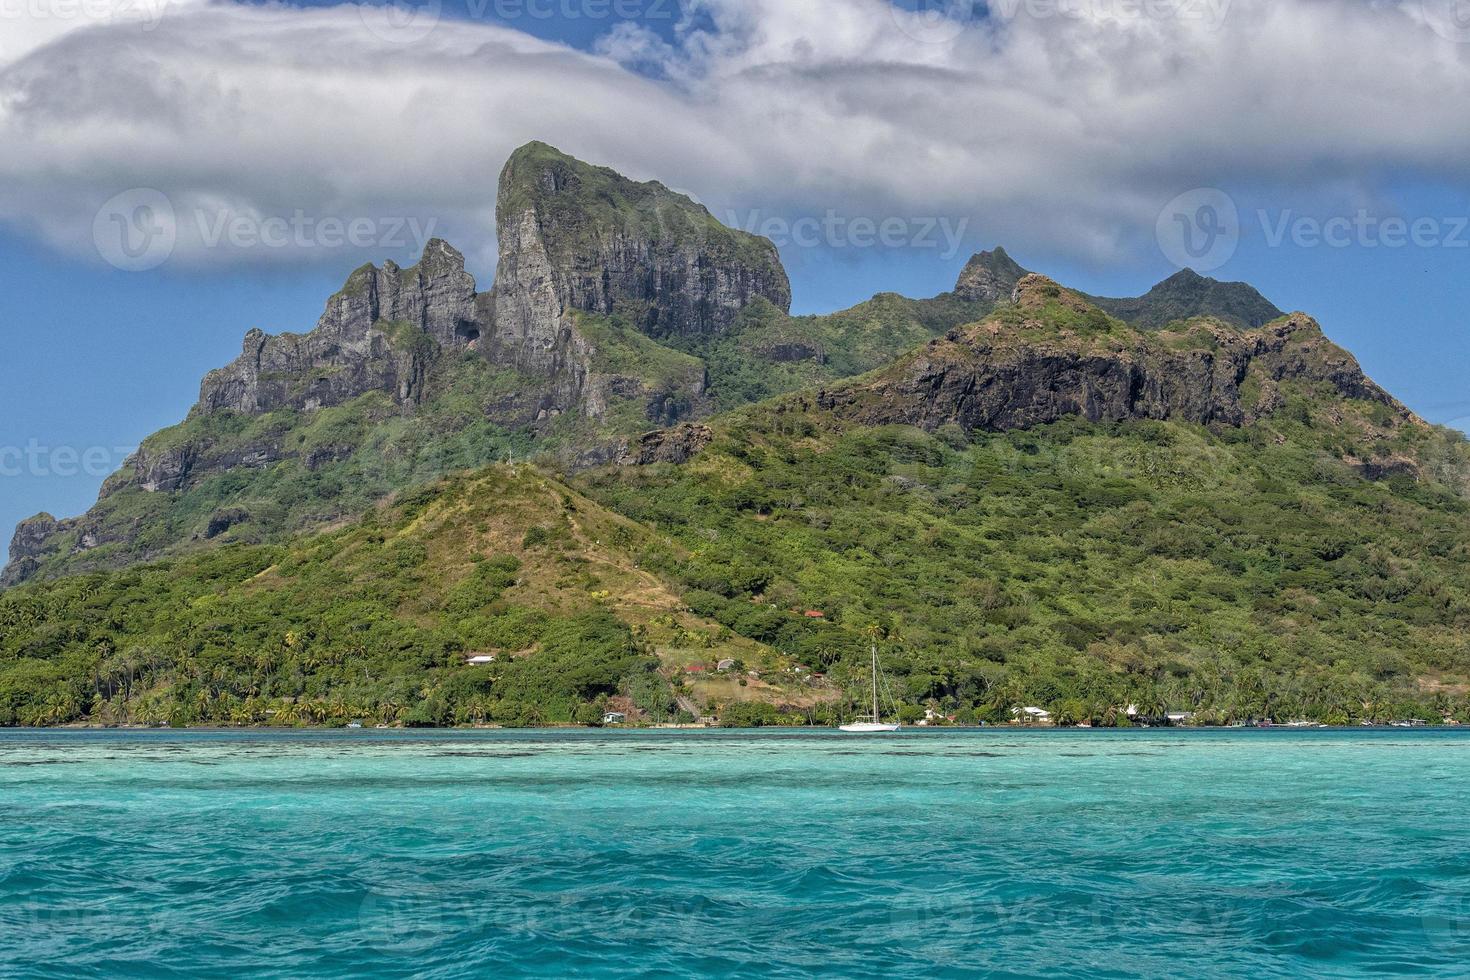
(1237, 573)
(1303, 555)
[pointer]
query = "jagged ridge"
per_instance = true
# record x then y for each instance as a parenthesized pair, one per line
(618, 307)
(1188, 294)
(1052, 353)
(593, 267)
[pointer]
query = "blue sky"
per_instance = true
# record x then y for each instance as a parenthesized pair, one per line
(98, 357)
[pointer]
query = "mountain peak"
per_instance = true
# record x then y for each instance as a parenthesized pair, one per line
(1034, 289)
(620, 306)
(988, 276)
(607, 244)
(1188, 294)
(1053, 353)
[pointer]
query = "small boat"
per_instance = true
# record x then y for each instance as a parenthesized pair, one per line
(870, 726)
(877, 724)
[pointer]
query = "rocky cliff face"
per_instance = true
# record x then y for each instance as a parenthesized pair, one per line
(1052, 354)
(30, 543)
(989, 277)
(573, 238)
(992, 276)
(676, 445)
(363, 342)
(567, 353)
(593, 267)
(600, 243)
(579, 242)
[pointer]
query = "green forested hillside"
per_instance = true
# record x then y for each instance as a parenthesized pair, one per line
(1082, 566)
(1240, 572)
(769, 352)
(377, 620)
(1305, 558)
(258, 479)
(1182, 501)
(298, 470)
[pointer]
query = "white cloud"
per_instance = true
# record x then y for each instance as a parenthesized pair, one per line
(1059, 124)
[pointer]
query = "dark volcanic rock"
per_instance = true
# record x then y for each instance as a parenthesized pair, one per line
(224, 519)
(576, 241)
(1187, 294)
(31, 534)
(989, 277)
(1015, 373)
(790, 351)
(1383, 467)
(676, 445)
(595, 241)
(366, 340)
(582, 240)
(175, 468)
(33, 539)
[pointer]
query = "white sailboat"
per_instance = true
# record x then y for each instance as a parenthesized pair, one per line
(877, 724)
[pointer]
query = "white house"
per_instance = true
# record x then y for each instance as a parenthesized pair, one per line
(614, 718)
(1032, 715)
(483, 658)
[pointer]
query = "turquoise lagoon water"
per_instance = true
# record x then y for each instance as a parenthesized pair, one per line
(786, 854)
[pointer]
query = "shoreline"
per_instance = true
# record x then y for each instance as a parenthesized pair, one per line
(651, 729)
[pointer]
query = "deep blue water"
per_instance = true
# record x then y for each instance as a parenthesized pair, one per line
(675, 854)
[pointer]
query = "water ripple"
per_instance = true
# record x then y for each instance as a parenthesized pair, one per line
(452, 855)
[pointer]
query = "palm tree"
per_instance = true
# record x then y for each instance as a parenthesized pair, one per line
(1070, 712)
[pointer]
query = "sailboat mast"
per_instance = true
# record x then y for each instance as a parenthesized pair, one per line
(875, 682)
